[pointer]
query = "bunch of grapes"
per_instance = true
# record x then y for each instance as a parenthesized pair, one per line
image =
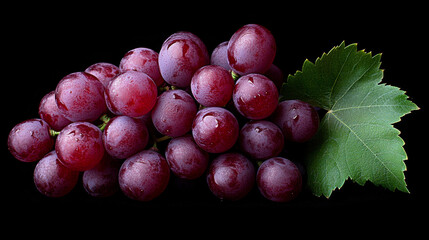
(180, 111)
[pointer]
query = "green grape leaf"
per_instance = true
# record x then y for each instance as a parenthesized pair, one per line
(356, 139)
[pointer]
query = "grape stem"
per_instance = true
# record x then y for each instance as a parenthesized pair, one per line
(161, 139)
(105, 119)
(234, 75)
(53, 133)
(158, 140)
(166, 88)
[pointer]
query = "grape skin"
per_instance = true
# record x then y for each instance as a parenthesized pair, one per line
(174, 113)
(80, 97)
(251, 50)
(180, 56)
(131, 93)
(49, 112)
(102, 180)
(144, 176)
(276, 75)
(79, 146)
(298, 120)
(255, 96)
(185, 158)
(215, 129)
(220, 56)
(261, 139)
(212, 86)
(52, 179)
(279, 179)
(125, 136)
(104, 72)
(30, 140)
(142, 60)
(231, 176)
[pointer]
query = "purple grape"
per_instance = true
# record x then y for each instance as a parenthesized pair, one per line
(261, 140)
(279, 179)
(174, 113)
(185, 158)
(142, 60)
(276, 75)
(102, 180)
(131, 93)
(298, 120)
(219, 56)
(215, 129)
(180, 56)
(80, 97)
(212, 86)
(255, 96)
(125, 136)
(144, 176)
(251, 50)
(104, 72)
(79, 146)
(30, 140)
(52, 179)
(231, 176)
(49, 112)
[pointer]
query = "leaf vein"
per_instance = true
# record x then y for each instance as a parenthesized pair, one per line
(368, 106)
(354, 82)
(365, 145)
(336, 79)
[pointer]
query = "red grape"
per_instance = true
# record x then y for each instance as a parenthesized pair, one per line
(174, 112)
(49, 112)
(102, 180)
(79, 146)
(212, 86)
(125, 136)
(219, 56)
(30, 140)
(131, 93)
(215, 129)
(231, 176)
(261, 139)
(279, 179)
(80, 97)
(142, 60)
(298, 120)
(251, 50)
(52, 179)
(210, 120)
(276, 75)
(144, 176)
(185, 158)
(104, 72)
(255, 96)
(180, 56)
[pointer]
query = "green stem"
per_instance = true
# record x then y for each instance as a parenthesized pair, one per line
(161, 139)
(167, 88)
(234, 75)
(105, 119)
(53, 133)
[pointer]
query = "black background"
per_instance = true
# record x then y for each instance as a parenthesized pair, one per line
(42, 44)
